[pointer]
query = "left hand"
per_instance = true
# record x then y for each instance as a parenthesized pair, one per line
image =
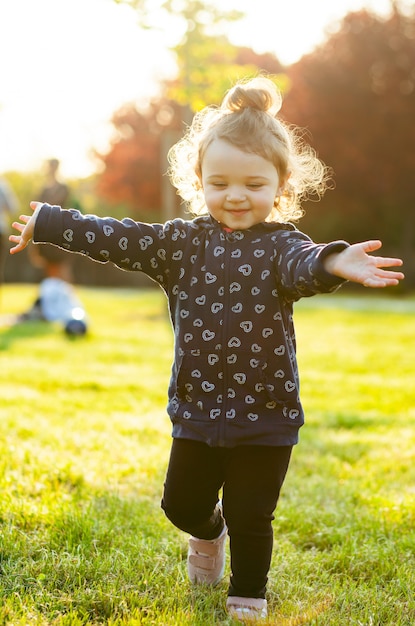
(355, 264)
(26, 228)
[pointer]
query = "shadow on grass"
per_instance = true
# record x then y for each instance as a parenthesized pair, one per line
(12, 331)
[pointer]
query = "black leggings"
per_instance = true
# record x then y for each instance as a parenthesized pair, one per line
(251, 477)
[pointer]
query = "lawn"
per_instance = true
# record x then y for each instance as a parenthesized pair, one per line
(84, 444)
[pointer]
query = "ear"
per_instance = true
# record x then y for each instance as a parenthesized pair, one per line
(283, 182)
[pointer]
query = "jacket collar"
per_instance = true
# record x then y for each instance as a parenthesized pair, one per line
(208, 222)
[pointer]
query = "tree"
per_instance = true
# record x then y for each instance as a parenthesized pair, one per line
(133, 166)
(356, 97)
(207, 66)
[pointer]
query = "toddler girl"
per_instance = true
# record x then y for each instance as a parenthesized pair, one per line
(231, 275)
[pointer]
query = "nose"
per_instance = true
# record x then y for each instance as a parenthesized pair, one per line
(235, 195)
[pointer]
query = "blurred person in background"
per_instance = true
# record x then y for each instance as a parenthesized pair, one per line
(53, 262)
(56, 301)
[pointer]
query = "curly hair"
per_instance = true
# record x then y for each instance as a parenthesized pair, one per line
(248, 119)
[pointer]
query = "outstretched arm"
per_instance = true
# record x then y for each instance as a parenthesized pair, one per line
(355, 264)
(26, 228)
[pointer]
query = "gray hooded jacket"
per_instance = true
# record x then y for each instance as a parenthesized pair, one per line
(234, 376)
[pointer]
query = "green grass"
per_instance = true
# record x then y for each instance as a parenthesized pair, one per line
(84, 444)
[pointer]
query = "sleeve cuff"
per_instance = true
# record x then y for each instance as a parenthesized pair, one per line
(320, 272)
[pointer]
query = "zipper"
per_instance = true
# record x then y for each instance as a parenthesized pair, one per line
(224, 338)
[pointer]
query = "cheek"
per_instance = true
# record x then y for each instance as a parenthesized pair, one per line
(267, 199)
(213, 199)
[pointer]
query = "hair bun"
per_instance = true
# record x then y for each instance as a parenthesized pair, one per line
(258, 93)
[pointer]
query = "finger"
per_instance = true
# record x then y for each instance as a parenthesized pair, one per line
(371, 245)
(393, 275)
(34, 205)
(14, 238)
(387, 262)
(20, 246)
(385, 274)
(378, 283)
(384, 279)
(18, 226)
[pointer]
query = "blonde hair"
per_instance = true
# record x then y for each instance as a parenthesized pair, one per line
(248, 119)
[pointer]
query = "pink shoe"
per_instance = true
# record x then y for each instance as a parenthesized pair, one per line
(247, 609)
(206, 559)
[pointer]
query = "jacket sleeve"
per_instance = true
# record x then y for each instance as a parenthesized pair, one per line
(300, 265)
(130, 245)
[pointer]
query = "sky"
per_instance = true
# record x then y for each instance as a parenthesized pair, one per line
(68, 65)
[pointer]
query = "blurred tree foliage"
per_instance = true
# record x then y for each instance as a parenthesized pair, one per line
(135, 166)
(205, 58)
(132, 178)
(207, 65)
(356, 96)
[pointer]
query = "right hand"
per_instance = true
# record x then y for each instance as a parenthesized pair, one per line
(26, 228)
(355, 263)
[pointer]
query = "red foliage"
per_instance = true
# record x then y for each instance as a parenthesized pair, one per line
(266, 61)
(136, 162)
(134, 165)
(356, 97)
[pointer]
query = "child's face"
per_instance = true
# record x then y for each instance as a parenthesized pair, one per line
(239, 187)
